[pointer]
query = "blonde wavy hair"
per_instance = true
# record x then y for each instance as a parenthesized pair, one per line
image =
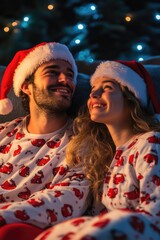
(93, 146)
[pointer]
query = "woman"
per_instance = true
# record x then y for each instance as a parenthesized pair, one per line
(119, 142)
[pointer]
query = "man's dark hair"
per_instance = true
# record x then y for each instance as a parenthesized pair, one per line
(24, 96)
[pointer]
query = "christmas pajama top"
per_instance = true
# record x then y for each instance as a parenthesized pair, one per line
(36, 185)
(131, 196)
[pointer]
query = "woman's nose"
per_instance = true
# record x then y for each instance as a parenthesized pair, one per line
(96, 94)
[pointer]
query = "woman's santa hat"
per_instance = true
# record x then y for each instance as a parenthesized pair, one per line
(133, 75)
(23, 65)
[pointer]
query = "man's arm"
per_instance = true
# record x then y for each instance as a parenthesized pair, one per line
(56, 203)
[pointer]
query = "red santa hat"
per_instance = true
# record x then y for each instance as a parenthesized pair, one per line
(133, 75)
(24, 63)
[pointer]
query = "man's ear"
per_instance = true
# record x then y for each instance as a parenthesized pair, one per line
(26, 88)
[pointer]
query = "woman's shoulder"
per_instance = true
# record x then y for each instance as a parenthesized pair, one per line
(152, 137)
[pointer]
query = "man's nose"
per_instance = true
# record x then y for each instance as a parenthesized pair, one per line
(62, 78)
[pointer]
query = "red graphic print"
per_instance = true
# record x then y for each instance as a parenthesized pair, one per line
(9, 185)
(10, 134)
(38, 142)
(132, 195)
(112, 192)
(21, 214)
(24, 171)
(6, 168)
(78, 222)
(153, 139)
(25, 195)
(2, 199)
(67, 210)
(38, 178)
(17, 151)
(151, 158)
(118, 178)
(43, 161)
(51, 215)
(120, 162)
(102, 223)
(156, 180)
(5, 148)
(19, 135)
(58, 193)
(61, 170)
(36, 202)
(78, 193)
(53, 144)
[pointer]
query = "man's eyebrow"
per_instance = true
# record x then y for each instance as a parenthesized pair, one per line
(56, 67)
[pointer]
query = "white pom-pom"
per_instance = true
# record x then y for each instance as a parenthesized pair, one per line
(5, 106)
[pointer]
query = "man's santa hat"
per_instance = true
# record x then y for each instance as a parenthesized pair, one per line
(133, 75)
(23, 65)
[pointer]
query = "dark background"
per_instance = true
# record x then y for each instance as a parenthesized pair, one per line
(105, 35)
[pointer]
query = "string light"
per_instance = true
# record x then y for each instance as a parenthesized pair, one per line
(139, 47)
(6, 29)
(15, 23)
(50, 7)
(128, 18)
(140, 59)
(80, 26)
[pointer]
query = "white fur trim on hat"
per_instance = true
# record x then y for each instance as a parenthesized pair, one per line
(37, 57)
(123, 75)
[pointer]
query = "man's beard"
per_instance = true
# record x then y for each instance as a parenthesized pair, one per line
(47, 101)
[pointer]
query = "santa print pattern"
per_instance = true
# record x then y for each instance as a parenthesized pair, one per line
(131, 195)
(36, 185)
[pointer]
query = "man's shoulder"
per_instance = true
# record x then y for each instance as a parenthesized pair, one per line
(13, 122)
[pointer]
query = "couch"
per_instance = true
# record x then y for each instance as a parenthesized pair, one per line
(83, 87)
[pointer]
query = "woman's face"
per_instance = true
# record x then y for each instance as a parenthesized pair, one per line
(106, 103)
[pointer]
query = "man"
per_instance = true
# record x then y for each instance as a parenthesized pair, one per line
(36, 185)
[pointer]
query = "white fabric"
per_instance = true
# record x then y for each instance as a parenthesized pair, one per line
(36, 185)
(131, 196)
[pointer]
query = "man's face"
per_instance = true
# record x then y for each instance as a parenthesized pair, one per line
(53, 87)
